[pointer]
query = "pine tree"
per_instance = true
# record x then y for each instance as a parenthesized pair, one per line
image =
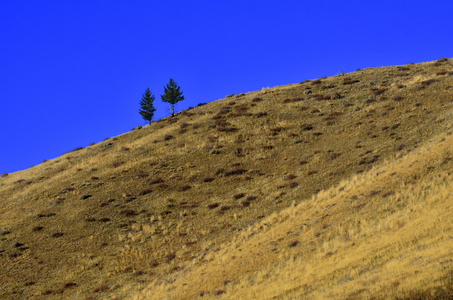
(172, 95)
(147, 109)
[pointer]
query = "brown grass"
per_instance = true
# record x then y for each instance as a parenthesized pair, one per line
(380, 228)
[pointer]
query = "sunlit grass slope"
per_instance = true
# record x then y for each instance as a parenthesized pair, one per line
(327, 188)
(383, 234)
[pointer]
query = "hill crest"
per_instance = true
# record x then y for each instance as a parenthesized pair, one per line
(172, 198)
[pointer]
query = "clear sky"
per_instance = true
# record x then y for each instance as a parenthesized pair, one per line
(73, 72)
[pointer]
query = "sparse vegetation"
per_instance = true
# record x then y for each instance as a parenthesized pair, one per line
(360, 211)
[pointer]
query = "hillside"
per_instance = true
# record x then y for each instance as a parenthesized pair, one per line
(338, 187)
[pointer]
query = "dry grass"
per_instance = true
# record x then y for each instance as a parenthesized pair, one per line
(248, 197)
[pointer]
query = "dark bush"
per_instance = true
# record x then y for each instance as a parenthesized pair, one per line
(144, 192)
(347, 81)
(156, 180)
(378, 92)
(234, 172)
(128, 212)
(184, 188)
(428, 82)
(212, 205)
(238, 196)
(208, 179)
(116, 164)
(293, 185)
(260, 114)
(168, 137)
(317, 81)
(293, 244)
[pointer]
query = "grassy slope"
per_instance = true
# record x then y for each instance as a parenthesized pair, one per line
(166, 200)
(381, 234)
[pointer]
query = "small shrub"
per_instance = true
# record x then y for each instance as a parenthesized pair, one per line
(37, 228)
(220, 171)
(65, 190)
(319, 97)
(347, 81)
(69, 284)
(373, 193)
(245, 203)
(400, 147)
(168, 137)
(208, 179)
(156, 180)
(316, 82)
(428, 82)
(238, 196)
(128, 212)
(144, 192)
(257, 99)
(101, 288)
(334, 155)
(293, 244)
(212, 205)
(401, 75)
(397, 98)
(290, 177)
(387, 194)
(235, 172)
(378, 92)
(224, 207)
(184, 188)
(227, 129)
(116, 164)
(306, 127)
(260, 114)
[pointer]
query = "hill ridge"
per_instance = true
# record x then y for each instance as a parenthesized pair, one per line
(157, 202)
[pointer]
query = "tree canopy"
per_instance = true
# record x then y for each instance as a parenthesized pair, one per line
(146, 106)
(172, 95)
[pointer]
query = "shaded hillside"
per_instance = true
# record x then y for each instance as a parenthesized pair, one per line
(162, 201)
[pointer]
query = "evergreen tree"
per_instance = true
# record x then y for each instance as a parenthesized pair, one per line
(172, 95)
(147, 109)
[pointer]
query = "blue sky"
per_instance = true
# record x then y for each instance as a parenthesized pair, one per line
(73, 72)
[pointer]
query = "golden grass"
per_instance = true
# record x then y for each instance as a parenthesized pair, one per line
(328, 248)
(347, 197)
